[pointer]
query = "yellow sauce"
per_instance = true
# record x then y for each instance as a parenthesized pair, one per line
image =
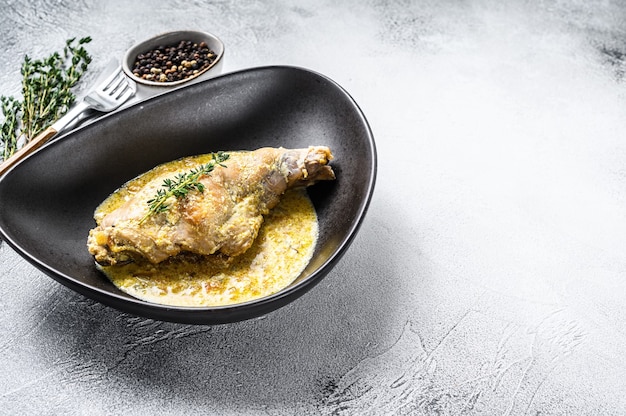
(283, 248)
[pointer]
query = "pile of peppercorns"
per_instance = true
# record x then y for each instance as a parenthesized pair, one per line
(174, 62)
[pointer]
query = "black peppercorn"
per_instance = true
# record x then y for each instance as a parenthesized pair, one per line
(174, 62)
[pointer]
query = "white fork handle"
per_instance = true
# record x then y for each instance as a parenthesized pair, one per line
(44, 136)
(70, 116)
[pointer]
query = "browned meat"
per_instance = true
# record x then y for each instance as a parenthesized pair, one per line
(225, 218)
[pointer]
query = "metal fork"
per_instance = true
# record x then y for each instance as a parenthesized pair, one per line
(105, 97)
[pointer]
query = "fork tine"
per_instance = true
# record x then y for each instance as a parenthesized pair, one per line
(115, 83)
(116, 89)
(109, 81)
(120, 85)
(126, 92)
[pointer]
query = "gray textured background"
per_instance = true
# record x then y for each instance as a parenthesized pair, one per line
(488, 276)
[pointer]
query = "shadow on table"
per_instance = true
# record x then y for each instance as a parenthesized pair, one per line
(287, 359)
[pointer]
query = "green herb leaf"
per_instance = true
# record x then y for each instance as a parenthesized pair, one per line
(181, 185)
(46, 94)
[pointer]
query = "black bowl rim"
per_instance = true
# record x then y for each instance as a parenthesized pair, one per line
(238, 311)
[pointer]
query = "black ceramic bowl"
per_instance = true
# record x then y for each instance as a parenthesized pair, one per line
(47, 200)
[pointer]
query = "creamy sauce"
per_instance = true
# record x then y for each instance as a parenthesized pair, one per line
(283, 248)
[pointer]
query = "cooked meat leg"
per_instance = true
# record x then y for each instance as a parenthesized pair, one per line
(225, 218)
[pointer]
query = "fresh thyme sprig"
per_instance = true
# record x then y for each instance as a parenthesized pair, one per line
(9, 128)
(182, 184)
(46, 94)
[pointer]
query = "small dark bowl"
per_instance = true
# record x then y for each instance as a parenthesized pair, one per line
(47, 200)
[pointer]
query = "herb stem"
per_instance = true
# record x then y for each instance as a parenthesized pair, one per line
(181, 185)
(46, 94)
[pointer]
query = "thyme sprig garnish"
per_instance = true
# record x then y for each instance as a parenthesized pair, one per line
(182, 184)
(46, 94)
